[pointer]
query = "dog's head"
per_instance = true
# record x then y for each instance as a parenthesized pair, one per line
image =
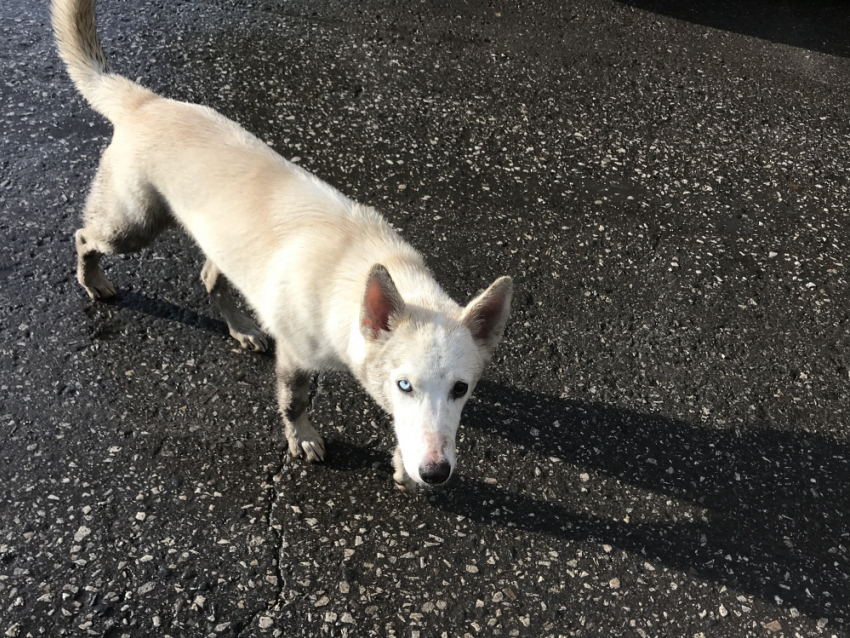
(422, 365)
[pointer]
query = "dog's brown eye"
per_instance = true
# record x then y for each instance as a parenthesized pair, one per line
(459, 389)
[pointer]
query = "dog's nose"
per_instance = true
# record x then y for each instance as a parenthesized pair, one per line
(435, 473)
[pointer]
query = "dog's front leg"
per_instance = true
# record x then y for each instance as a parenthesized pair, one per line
(293, 394)
(400, 476)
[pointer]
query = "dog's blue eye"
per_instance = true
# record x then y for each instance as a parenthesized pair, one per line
(404, 385)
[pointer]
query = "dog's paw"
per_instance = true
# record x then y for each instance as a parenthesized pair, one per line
(400, 476)
(307, 445)
(98, 286)
(253, 341)
(314, 451)
(408, 487)
(405, 483)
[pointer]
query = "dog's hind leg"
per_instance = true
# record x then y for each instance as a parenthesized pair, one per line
(242, 328)
(293, 393)
(90, 248)
(122, 215)
(104, 221)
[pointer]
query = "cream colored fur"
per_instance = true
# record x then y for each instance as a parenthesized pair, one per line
(328, 278)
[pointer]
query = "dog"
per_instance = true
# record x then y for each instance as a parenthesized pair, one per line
(328, 278)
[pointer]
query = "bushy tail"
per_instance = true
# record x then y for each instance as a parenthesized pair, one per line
(75, 28)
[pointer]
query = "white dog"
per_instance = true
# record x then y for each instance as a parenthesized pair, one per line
(328, 278)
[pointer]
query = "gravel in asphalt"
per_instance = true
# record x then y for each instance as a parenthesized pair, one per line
(660, 446)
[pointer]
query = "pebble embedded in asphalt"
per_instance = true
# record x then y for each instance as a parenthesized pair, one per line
(660, 445)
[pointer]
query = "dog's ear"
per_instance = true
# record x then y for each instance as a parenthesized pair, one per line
(487, 314)
(381, 303)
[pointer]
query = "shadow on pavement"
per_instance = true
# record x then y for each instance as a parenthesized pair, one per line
(819, 25)
(108, 324)
(776, 504)
(773, 506)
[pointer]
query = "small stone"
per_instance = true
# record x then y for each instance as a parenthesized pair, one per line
(265, 622)
(348, 619)
(140, 516)
(772, 626)
(614, 583)
(585, 477)
(723, 612)
(82, 532)
(324, 600)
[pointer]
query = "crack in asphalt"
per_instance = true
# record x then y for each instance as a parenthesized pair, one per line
(660, 442)
(273, 477)
(281, 538)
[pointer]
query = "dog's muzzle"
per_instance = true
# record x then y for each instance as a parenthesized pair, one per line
(435, 473)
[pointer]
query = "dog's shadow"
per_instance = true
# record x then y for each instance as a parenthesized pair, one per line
(775, 506)
(108, 320)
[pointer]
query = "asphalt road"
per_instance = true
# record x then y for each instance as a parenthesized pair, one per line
(660, 447)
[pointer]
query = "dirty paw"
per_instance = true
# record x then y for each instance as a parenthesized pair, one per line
(401, 477)
(98, 286)
(407, 485)
(404, 482)
(309, 447)
(253, 342)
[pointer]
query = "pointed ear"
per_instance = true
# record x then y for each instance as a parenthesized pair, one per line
(487, 314)
(381, 303)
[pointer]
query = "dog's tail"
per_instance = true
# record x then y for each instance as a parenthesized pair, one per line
(75, 28)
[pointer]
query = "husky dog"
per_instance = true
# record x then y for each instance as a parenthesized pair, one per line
(327, 277)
